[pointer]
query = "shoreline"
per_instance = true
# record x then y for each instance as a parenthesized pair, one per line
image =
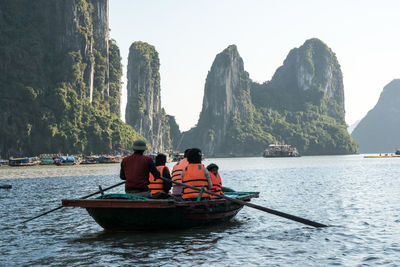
(51, 171)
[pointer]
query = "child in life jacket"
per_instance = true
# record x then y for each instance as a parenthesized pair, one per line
(215, 179)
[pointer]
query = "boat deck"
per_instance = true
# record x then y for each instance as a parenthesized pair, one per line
(132, 201)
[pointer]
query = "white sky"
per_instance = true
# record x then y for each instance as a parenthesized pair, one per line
(188, 34)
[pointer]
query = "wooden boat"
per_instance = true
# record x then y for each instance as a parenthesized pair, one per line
(19, 162)
(123, 212)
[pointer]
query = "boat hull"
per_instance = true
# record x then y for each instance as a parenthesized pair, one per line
(125, 215)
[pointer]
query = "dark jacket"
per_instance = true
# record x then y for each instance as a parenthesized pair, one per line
(135, 170)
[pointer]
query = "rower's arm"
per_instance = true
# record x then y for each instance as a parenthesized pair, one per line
(210, 185)
(122, 172)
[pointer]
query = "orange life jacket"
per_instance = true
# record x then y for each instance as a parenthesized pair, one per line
(156, 185)
(195, 175)
(217, 185)
(177, 176)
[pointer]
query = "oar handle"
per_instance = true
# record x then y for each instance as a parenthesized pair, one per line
(275, 212)
(59, 207)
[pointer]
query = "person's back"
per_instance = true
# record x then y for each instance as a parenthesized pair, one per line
(177, 174)
(135, 170)
(159, 186)
(195, 174)
(215, 179)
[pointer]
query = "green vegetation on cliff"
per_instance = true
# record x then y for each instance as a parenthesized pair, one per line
(45, 77)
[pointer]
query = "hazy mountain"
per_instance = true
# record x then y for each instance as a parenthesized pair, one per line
(379, 130)
(351, 128)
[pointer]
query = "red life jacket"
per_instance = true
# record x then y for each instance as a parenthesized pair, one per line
(217, 185)
(195, 174)
(157, 185)
(177, 176)
(136, 169)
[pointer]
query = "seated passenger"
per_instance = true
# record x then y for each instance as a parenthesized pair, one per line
(135, 170)
(160, 188)
(177, 174)
(215, 179)
(195, 174)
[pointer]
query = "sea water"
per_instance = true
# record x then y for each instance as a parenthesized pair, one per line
(359, 198)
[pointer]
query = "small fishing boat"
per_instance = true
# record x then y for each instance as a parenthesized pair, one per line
(123, 212)
(19, 162)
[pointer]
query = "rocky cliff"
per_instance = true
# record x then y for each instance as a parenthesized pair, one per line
(55, 79)
(302, 105)
(143, 110)
(378, 131)
(226, 97)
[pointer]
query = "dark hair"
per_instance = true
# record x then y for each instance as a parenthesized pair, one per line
(161, 159)
(194, 155)
(212, 166)
(185, 155)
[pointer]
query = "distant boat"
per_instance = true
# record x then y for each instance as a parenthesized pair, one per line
(109, 159)
(383, 156)
(3, 162)
(46, 161)
(19, 162)
(177, 156)
(90, 160)
(274, 151)
(67, 160)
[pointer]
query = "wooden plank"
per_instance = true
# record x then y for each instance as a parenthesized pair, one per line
(117, 203)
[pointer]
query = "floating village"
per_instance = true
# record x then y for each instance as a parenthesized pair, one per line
(70, 160)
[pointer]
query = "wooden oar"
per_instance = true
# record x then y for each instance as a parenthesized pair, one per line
(275, 212)
(59, 207)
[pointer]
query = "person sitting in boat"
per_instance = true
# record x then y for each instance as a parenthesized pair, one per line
(135, 170)
(195, 174)
(177, 174)
(215, 179)
(160, 188)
